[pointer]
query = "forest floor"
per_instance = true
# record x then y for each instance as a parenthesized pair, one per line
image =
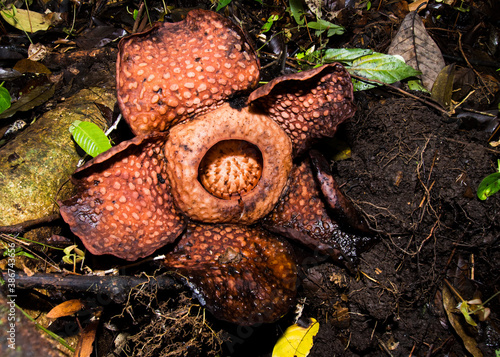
(411, 170)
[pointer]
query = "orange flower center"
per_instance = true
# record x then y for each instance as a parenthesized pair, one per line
(230, 169)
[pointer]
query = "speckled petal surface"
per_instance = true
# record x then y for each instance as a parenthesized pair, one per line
(243, 275)
(177, 70)
(302, 216)
(301, 210)
(124, 206)
(309, 104)
(341, 207)
(187, 144)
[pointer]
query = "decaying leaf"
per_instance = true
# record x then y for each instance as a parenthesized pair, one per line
(26, 20)
(413, 43)
(297, 340)
(66, 308)
(30, 66)
(422, 4)
(37, 92)
(37, 52)
(84, 347)
(458, 323)
(442, 90)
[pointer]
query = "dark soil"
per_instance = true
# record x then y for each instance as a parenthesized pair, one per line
(414, 174)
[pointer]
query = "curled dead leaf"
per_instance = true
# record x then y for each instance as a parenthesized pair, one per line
(458, 323)
(84, 347)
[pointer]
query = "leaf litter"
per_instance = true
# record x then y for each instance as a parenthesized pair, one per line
(412, 171)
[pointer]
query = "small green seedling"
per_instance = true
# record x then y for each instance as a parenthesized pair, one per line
(269, 23)
(297, 11)
(490, 184)
(222, 4)
(73, 255)
(134, 13)
(90, 137)
(462, 8)
(19, 252)
(472, 307)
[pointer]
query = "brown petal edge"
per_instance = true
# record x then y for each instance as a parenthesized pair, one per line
(123, 206)
(308, 105)
(243, 275)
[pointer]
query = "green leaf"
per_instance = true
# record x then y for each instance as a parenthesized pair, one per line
(416, 84)
(384, 68)
(296, 341)
(222, 4)
(4, 99)
(345, 54)
(90, 137)
(322, 25)
(297, 11)
(270, 21)
(489, 186)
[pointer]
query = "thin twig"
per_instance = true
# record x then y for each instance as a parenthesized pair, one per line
(468, 63)
(26, 225)
(426, 102)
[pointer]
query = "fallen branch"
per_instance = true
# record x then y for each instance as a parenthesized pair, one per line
(26, 225)
(116, 288)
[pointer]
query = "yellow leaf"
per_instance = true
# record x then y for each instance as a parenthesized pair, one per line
(296, 341)
(26, 20)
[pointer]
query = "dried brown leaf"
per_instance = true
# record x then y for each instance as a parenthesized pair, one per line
(458, 323)
(66, 308)
(84, 347)
(415, 5)
(419, 50)
(30, 66)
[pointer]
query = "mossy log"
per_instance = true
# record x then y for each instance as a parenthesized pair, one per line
(35, 165)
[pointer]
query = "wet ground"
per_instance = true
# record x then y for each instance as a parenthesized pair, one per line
(413, 173)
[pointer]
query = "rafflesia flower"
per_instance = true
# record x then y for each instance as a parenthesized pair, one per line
(212, 171)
